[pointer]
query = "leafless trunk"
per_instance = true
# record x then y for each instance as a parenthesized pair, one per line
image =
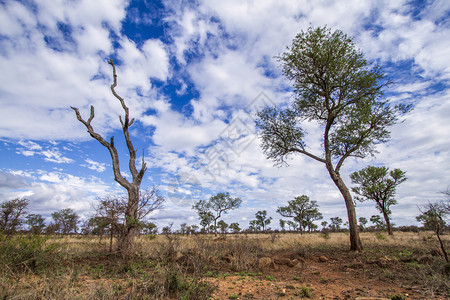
(355, 241)
(126, 238)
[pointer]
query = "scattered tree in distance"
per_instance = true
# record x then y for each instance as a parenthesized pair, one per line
(303, 210)
(434, 217)
(378, 184)
(213, 208)
(11, 215)
(66, 221)
(262, 221)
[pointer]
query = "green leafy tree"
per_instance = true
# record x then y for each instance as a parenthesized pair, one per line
(303, 210)
(340, 91)
(222, 226)
(434, 217)
(335, 223)
(362, 223)
(292, 224)
(253, 226)
(36, 223)
(11, 215)
(378, 184)
(217, 205)
(235, 227)
(377, 222)
(324, 225)
(149, 228)
(282, 224)
(206, 218)
(67, 220)
(262, 220)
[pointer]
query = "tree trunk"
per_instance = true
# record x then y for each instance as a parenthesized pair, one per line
(126, 239)
(355, 241)
(215, 227)
(111, 235)
(442, 246)
(388, 223)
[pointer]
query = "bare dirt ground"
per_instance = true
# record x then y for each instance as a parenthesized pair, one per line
(342, 276)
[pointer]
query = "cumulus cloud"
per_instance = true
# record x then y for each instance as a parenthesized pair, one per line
(96, 166)
(54, 56)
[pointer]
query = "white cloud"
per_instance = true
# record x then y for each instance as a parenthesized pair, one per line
(96, 166)
(53, 191)
(225, 49)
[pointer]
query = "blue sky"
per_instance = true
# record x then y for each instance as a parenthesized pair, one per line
(193, 73)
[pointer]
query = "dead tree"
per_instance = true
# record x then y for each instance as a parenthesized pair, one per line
(126, 240)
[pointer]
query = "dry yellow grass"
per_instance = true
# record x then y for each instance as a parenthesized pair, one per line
(285, 241)
(87, 271)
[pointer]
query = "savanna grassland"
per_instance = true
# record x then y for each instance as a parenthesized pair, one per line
(261, 266)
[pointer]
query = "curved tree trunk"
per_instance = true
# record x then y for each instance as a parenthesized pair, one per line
(388, 222)
(355, 241)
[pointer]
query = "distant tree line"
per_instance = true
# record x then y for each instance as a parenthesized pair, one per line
(108, 219)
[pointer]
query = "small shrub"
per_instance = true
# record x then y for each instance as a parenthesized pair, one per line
(305, 292)
(380, 236)
(27, 252)
(325, 235)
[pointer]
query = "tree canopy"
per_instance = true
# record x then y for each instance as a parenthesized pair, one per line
(212, 209)
(378, 184)
(303, 210)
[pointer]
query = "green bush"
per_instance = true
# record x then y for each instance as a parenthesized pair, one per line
(26, 252)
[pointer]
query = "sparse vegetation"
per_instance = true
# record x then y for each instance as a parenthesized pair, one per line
(176, 266)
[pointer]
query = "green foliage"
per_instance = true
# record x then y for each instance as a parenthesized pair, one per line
(376, 220)
(36, 223)
(305, 292)
(235, 227)
(212, 209)
(223, 226)
(380, 236)
(378, 184)
(11, 213)
(262, 220)
(336, 223)
(27, 252)
(335, 86)
(66, 219)
(362, 223)
(303, 210)
(434, 216)
(270, 278)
